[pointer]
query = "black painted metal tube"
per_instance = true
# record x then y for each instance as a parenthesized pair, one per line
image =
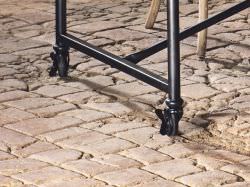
(61, 20)
(116, 62)
(139, 56)
(173, 51)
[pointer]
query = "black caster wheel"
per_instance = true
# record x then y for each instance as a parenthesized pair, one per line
(60, 63)
(52, 71)
(53, 68)
(63, 65)
(170, 120)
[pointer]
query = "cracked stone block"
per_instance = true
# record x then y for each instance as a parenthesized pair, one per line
(7, 71)
(116, 108)
(96, 26)
(183, 150)
(13, 84)
(195, 64)
(122, 34)
(62, 134)
(139, 136)
(98, 82)
(111, 128)
(32, 103)
(129, 89)
(55, 90)
(83, 67)
(241, 169)
(13, 139)
(15, 166)
(101, 42)
(78, 98)
(173, 168)
(88, 168)
(45, 175)
(227, 156)
(11, 115)
(76, 142)
(104, 147)
(42, 125)
(117, 161)
(145, 155)
(159, 183)
(208, 178)
(86, 115)
(76, 182)
(15, 95)
(8, 58)
(209, 162)
(57, 156)
(150, 99)
(5, 156)
(238, 184)
(198, 91)
(51, 111)
(36, 147)
(126, 177)
(7, 181)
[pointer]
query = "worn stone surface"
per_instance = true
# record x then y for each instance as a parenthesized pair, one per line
(173, 168)
(86, 115)
(140, 152)
(11, 115)
(45, 175)
(15, 166)
(126, 177)
(209, 178)
(42, 125)
(97, 127)
(57, 156)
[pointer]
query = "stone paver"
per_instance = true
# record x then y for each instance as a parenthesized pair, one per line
(88, 168)
(7, 181)
(76, 182)
(208, 178)
(97, 127)
(15, 166)
(126, 177)
(87, 115)
(173, 168)
(42, 125)
(11, 115)
(140, 152)
(57, 156)
(45, 175)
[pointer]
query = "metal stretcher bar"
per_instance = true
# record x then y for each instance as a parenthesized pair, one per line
(116, 62)
(139, 56)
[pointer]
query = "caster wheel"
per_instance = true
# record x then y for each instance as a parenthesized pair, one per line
(170, 122)
(63, 65)
(53, 71)
(53, 68)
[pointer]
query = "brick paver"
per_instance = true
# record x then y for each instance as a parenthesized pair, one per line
(97, 127)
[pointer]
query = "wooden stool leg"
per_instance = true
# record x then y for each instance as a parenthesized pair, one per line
(202, 36)
(153, 12)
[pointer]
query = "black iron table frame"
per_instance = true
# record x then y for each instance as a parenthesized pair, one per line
(172, 114)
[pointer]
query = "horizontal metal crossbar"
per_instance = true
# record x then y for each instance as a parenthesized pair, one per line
(139, 56)
(116, 62)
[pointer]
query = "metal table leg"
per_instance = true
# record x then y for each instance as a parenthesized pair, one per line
(60, 56)
(171, 116)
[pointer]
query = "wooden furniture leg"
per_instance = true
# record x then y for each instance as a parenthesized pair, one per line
(153, 12)
(202, 36)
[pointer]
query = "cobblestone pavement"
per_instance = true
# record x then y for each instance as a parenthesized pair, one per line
(98, 127)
